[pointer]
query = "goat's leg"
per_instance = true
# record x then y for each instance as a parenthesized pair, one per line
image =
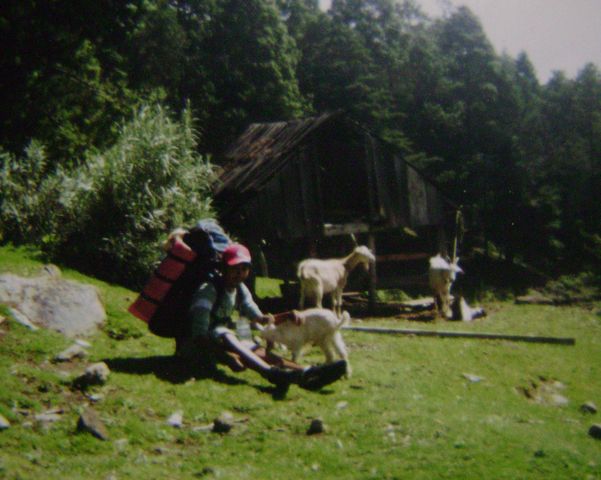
(438, 305)
(297, 352)
(319, 295)
(328, 351)
(446, 312)
(301, 303)
(340, 348)
(337, 302)
(339, 345)
(334, 298)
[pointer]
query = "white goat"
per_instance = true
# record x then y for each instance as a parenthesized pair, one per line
(441, 275)
(318, 277)
(316, 326)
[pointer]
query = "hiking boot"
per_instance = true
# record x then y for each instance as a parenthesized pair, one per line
(282, 378)
(316, 377)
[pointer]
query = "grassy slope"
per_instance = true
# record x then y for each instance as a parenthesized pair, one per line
(408, 412)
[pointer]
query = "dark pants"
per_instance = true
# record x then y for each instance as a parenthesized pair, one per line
(211, 352)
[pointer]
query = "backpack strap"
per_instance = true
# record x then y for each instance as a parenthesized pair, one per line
(217, 282)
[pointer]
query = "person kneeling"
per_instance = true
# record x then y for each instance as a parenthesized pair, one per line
(211, 338)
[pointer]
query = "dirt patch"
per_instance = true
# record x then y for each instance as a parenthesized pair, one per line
(545, 391)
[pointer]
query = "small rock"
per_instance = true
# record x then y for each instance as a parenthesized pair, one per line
(206, 471)
(176, 419)
(4, 423)
(95, 397)
(89, 421)
(223, 423)
(95, 374)
(316, 427)
(595, 431)
(472, 378)
(588, 407)
(390, 432)
(47, 418)
(83, 343)
(559, 400)
(341, 405)
(121, 444)
(74, 351)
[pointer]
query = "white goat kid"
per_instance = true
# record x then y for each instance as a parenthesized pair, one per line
(315, 326)
(441, 275)
(319, 277)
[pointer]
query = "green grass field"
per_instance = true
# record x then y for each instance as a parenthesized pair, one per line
(415, 408)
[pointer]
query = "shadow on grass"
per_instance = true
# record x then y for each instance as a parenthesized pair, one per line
(168, 368)
(173, 370)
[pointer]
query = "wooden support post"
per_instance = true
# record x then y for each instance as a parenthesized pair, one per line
(441, 241)
(372, 191)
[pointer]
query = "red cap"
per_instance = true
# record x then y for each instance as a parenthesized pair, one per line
(235, 254)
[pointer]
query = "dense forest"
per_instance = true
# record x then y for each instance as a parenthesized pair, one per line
(94, 92)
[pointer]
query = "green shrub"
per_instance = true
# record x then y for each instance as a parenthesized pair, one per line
(25, 206)
(108, 215)
(583, 285)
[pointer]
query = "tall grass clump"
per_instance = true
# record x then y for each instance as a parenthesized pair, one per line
(26, 199)
(107, 216)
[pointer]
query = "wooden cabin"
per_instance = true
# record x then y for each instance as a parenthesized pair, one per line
(314, 186)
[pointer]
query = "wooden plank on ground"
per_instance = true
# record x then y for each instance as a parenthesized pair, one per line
(486, 336)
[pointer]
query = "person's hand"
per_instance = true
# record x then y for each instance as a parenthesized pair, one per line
(265, 319)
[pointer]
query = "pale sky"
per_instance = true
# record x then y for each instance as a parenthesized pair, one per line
(556, 34)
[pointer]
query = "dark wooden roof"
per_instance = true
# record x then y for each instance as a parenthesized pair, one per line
(261, 151)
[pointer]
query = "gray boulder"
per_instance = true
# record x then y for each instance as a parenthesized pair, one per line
(52, 302)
